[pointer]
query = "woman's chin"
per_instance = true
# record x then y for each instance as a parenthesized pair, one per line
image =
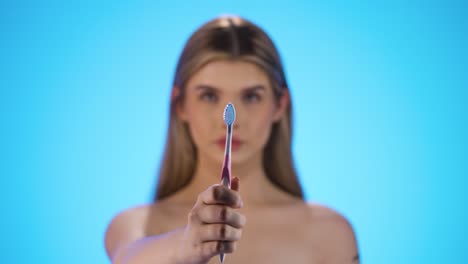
(239, 156)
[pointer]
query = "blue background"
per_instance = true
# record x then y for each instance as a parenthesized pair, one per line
(379, 90)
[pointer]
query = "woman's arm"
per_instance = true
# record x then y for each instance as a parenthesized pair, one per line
(213, 227)
(126, 243)
(159, 249)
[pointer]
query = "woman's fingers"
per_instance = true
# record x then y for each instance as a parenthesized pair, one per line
(235, 184)
(214, 225)
(219, 232)
(213, 248)
(219, 194)
(220, 214)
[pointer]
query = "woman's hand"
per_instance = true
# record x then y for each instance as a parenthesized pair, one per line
(214, 226)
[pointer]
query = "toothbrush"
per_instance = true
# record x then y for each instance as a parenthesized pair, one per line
(229, 116)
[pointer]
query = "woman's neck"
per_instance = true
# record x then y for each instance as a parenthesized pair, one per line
(255, 188)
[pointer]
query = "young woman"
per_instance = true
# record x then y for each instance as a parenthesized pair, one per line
(193, 218)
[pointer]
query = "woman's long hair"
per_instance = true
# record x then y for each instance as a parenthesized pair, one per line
(231, 38)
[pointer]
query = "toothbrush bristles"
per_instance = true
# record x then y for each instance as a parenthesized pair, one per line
(229, 115)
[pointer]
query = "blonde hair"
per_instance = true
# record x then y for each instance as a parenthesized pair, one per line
(232, 38)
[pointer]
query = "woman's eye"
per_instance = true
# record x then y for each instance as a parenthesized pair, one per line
(208, 96)
(252, 97)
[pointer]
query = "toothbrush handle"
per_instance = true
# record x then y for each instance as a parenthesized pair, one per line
(226, 181)
(221, 257)
(226, 177)
(226, 173)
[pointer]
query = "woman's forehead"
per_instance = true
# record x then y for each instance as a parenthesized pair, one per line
(229, 75)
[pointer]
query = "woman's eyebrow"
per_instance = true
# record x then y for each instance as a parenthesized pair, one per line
(206, 87)
(253, 88)
(257, 87)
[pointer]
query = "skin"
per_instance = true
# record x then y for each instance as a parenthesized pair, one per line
(258, 224)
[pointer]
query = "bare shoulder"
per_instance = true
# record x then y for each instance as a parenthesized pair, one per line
(126, 227)
(322, 214)
(333, 232)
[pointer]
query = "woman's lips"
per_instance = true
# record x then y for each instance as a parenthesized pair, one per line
(235, 144)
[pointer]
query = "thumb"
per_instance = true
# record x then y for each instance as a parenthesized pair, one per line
(235, 184)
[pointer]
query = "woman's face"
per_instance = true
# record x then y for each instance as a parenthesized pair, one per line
(245, 85)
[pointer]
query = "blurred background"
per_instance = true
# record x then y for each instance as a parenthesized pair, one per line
(380, 117)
